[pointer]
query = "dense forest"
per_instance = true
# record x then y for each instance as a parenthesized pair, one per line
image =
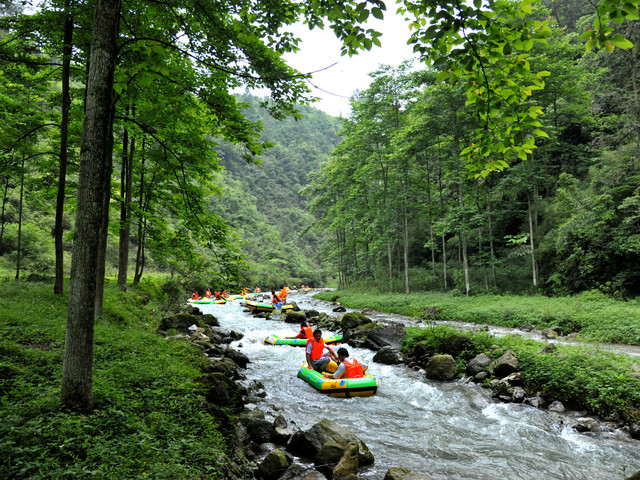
(407, 213)
(230, 190)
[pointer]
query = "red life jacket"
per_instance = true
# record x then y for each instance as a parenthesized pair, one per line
(317, 349)
(208, 294)
(308, 331)
(194, 296)
(354, 369)
(275, 299)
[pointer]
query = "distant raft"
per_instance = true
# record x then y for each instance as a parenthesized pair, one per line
(300, 342)
(206, 300)
(341, 387)
(265, 307)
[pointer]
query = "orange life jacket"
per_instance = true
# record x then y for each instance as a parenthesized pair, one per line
(283, 293)
(275, 299)
(354, 369)
(208, 294)
(317, 349)
(308, 331)
(217, 295)
(194, 296)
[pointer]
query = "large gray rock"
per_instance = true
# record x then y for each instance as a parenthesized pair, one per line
(274, 464)
(308, 443)
(478, 363)
(329, 456)
(348, 464)
(225, 366)
(294, 317)
(240, 358)
(403, 473)
(388, 356)
(353, 320)
(386, 336)
(258, 427)
(507, 364)
(180, 322)
(298, 472)
(441, 367)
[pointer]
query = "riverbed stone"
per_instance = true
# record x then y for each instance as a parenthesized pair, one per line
(478, 363)
(548, 349)
(441, 367)
(311, 313)
(386, 336)
(329, 455)
(388, 356)
(404, 473)
(557, 406)
(308, 443)
(299, 472)
(224, 365)
(258, 427)
(634, 430)
(587, 424)
(295, 317)
(180, 322)
(352, 320)
(507, 364)
(348, 464)
(274, 464)
(536, 401)
(240, 358)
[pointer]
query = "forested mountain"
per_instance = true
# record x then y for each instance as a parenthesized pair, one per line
(263, 202)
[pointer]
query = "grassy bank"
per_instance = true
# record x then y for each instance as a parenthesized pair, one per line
(593, 316)
(148, 420)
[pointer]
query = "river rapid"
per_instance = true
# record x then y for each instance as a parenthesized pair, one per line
(445, 430)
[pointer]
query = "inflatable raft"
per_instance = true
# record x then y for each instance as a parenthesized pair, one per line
(206, 300)
(340, 387)
(300, 342)
(265, 307)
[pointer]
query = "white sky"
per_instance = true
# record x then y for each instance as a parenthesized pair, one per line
(320, 49)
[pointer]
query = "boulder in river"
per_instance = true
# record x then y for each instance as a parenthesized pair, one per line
(441, 367)
(352, 320)
(274, 464)
(308, 443)
(478, 363)
(294, 317)
(388, 356)
(348, 464)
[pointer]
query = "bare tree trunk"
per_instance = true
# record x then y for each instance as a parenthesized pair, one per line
(77, 368)
(20, 220)
(58, 287)
(405, 224)
(126, 188)
(534, 269)
(141, 222)
(5, 198)
(491, 248)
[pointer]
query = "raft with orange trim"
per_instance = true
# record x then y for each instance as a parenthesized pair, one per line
(339, 387)
(300, 342)
(265, 307)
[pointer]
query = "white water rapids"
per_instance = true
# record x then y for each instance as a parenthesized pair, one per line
(445, 430)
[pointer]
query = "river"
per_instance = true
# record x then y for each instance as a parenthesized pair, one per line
(445, 430)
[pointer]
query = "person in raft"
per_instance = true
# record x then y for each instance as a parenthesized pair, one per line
(349, 367)
(305, 330)
(275, 300)
(283, 295)
(208, 294)
(316, 358)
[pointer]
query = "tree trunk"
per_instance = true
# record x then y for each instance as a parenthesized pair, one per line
(141, 221)
(104, 230)
(534, 269)
(406, 248)
(5, 198)
(20, 220)
(126, 187)
(77, 368)
(58, 287)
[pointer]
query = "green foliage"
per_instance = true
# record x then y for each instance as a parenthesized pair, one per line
(146, 422)
(593, 316)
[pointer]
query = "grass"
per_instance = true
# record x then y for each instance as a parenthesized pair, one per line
(148, 419)
(592, 315)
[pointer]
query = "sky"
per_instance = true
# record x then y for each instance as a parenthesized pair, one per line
(335, 85)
